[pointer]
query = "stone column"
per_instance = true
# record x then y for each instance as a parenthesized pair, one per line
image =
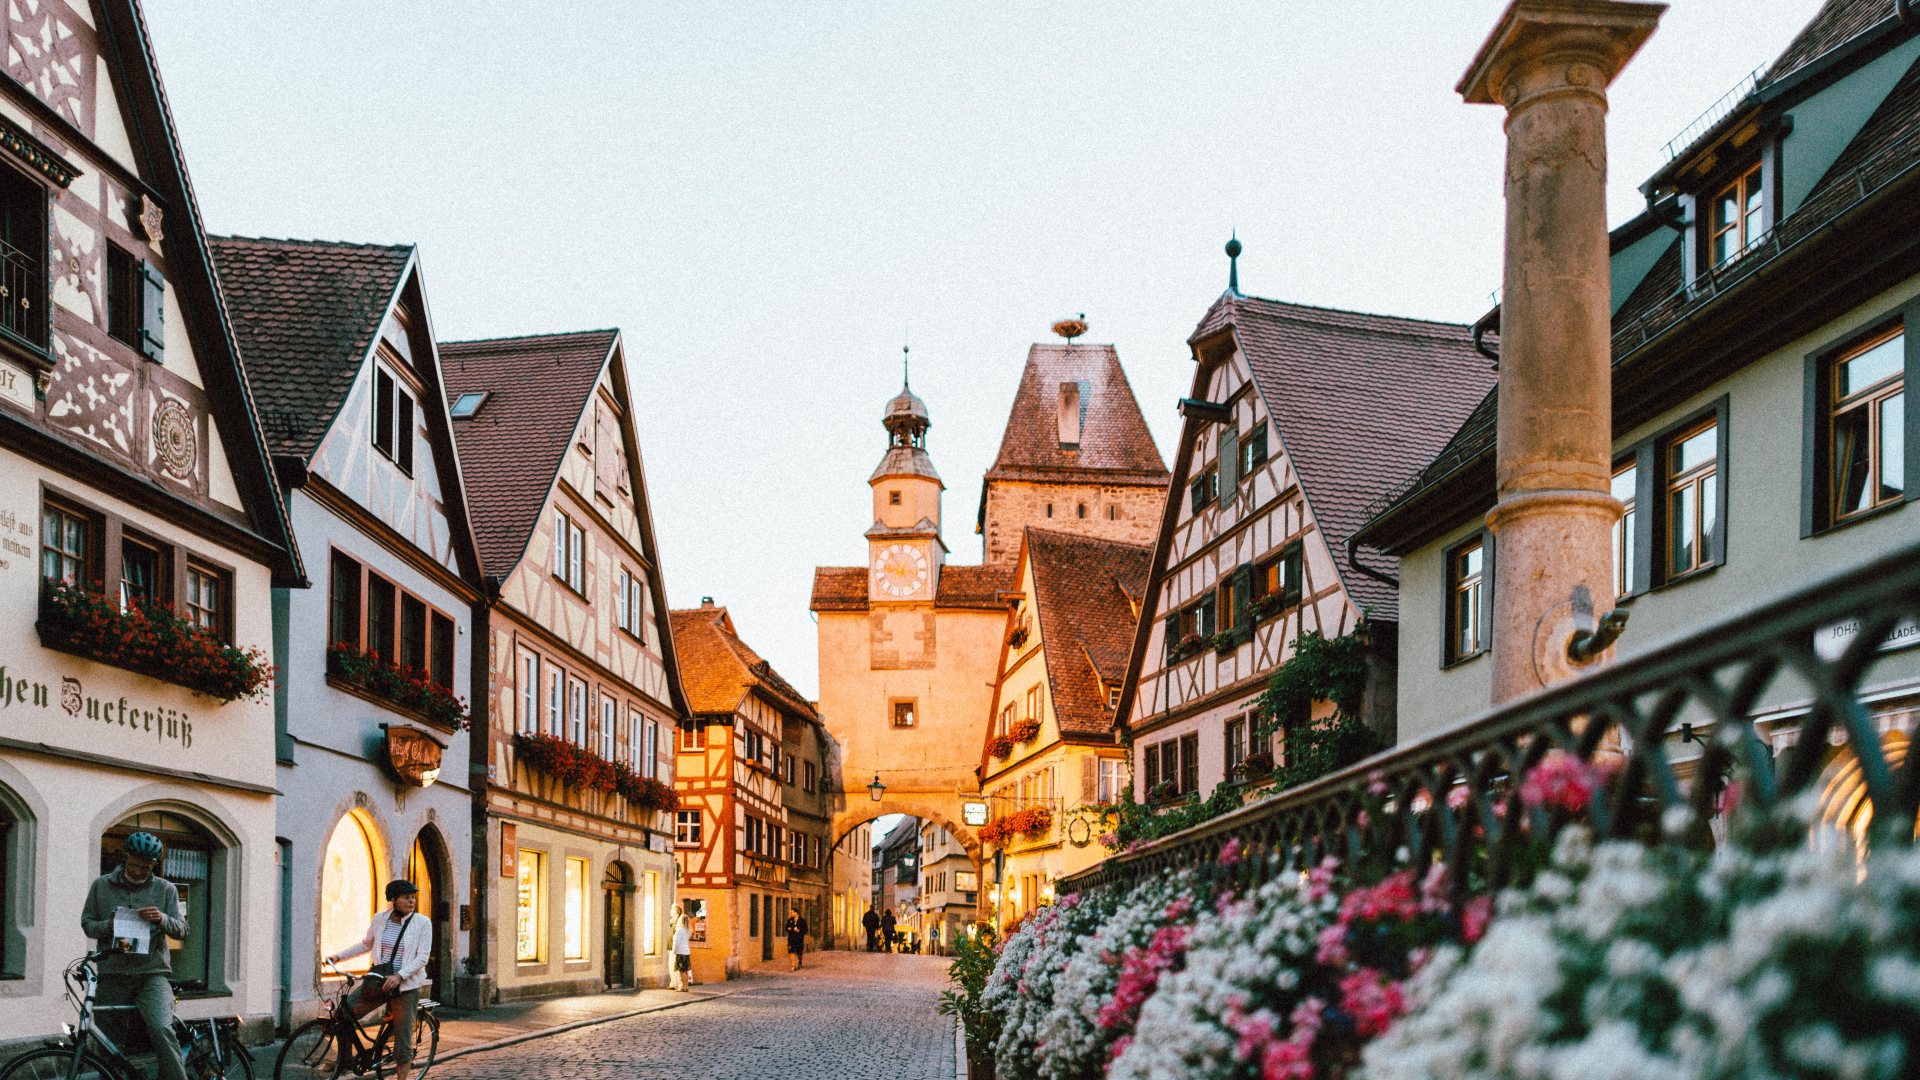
(1549, 63)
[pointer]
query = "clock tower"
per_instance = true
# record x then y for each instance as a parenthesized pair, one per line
(904, 551)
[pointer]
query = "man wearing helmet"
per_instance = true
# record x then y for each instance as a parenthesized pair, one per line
(401, 945)
(140, 979)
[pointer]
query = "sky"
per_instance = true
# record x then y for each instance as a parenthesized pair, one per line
(769, 198)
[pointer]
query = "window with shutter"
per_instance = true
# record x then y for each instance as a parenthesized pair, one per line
(1243, 601)
(403, 431)
(383, 411)
(1229, 463)
(1172, 635)
(1253, 450)
(1207, 608)
(1292, 573)
(1088, 778)
(153, 312)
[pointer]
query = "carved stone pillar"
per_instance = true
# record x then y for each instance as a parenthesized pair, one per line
(1549, 62)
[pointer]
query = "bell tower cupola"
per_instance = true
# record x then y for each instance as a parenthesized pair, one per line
(904, 543)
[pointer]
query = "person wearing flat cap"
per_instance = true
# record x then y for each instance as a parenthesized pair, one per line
(401, 944)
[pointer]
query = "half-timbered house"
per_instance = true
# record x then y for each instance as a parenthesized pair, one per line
(1298, 417)
(582, 691)
(1049, 755)
(752, 744)
(372, 770)
(140, 512)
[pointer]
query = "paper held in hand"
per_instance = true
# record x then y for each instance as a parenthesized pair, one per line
(131, 933)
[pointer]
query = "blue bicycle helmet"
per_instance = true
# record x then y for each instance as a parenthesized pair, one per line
(144, 844)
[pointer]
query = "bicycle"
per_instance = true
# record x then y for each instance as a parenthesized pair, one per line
(331, 1046)
(210, 1048)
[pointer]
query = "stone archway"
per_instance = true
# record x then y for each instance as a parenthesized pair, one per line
(945, 812)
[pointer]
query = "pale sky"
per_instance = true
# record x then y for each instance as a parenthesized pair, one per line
(765, 196)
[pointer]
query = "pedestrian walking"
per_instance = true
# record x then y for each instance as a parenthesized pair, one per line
(682, 953)
(138, 961)
(401, 944)
(871, 920)
(887, 923)
(796, 940)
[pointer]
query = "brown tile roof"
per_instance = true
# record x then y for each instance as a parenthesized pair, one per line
(1115, 446)
(1081, 587)
(304, 314)
(1833, 25)
(537, 388)
(718, 669)
(1359, 402)
(844, 588)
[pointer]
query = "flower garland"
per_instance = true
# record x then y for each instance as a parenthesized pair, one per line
(406, 687)
(153, 640)
(586, 771)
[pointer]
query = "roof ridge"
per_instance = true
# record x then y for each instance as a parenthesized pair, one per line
(1295, 305)
(234, 239)
(1083, 538)
(529, 337)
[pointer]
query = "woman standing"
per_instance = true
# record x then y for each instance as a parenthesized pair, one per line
(682, 954)
(796, 939)
(401, 945)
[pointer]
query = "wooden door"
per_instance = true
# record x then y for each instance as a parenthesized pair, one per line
(614, 936)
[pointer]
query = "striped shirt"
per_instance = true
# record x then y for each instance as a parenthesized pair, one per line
(390, 938)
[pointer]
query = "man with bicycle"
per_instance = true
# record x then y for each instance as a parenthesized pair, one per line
(402, 945)
(140, 978)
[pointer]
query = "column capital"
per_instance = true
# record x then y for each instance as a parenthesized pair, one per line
(1601, 35)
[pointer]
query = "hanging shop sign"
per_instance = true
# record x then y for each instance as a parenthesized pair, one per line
(413, 755)
(974, 813)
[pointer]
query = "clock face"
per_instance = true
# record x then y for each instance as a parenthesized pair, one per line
(900, 570)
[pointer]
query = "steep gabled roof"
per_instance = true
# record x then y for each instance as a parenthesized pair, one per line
(1115, 446)
(304, 313)
(844, 588)
(718, 669)
(1081, 589)
(537, 389)
(1358, 401)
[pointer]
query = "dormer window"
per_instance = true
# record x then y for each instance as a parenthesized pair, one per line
(1738, 217)
(466, 405)
(1073, 412)
(392, 419)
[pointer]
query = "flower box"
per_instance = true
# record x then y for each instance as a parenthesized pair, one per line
(370, 675)
(587, 771)
(1267, 605)
(1225, 641)
(1255, 766)
(1025, 731)
(1032, 822)
(1000, 747)
(152, 640)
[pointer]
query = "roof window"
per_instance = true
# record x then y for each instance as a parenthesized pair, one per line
(466, 405)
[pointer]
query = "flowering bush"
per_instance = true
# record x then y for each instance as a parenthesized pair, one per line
(1025, 731)
(1190, 644)
(587, 771)
(1032, 962)
(1000, 747)
(407, 687)
(1165, 789)
(1565, 783)
(1098, 996)
(1224, 640)
(153, 640)
(1624, 960)
(1268, 604)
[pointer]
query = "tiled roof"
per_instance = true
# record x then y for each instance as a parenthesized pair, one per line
(1833, 25)
(1359, 402)
(844, 588)
(718, 669)
(304, 314)
(1081, 587)
(537, 388)
(1115, 446)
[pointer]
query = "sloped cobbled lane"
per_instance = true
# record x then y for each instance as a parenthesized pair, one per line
(848, 1016)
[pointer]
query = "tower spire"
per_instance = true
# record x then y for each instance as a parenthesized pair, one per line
(1233, 263)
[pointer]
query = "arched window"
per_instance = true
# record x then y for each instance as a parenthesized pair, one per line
(16, 883)
(196, 865)
(1843, 796)
(349, 888)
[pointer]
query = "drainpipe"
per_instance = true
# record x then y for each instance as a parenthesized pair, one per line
(1549, 62)
(284, 1014)
(1353, 560)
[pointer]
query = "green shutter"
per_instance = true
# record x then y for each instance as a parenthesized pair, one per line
(1206, 615)
(1257, 446)
(1291, 576)
(1243, 602)
(1229, 463)
(1173, 634)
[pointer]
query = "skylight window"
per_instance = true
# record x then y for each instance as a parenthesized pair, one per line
(466, 405)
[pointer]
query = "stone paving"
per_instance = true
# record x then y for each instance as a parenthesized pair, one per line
(846, 1016)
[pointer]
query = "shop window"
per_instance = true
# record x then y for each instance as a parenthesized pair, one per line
(531, 897)
(16, 882)
(350, 885)
(575, 937)
(650, 913)
(196, 865)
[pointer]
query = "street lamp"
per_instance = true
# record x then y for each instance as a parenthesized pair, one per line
(876, 789)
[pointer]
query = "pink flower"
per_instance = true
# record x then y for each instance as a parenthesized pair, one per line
(1232, 852)
(1475, 917)
(1459, 797)
(1730, 797)
(1110, 840)
(1373, 1000)
(1563, 782)
(1140, 971)
(1119, 1047)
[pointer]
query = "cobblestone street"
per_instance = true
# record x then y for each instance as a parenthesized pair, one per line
(847, 1016)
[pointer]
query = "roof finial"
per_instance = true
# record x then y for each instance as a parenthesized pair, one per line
(1233, 263)
(906, 362)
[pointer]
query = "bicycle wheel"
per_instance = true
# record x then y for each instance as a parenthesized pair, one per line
(426, 1042)
(53, 1063)
(239, 1059)
(311, 1054)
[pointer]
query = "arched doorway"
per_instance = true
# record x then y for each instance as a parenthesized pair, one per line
(1843, 793)
(424, 865)
(191, 863)
(350, 886)
(616, 887)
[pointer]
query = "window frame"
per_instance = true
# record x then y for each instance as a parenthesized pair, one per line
(1817, 502)
(1636, 533)
(36, 212)
(1449, 654)
(103, 555)
(912, 713)
(688, 827)
(1654, 483)
(1204, 490)
(1736, 179)
(396, 401)
(570, 552)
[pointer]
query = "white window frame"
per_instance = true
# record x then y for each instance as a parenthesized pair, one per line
(577, 713)
(652, 758)
(529, 692)
(609, 713)
(555, 723)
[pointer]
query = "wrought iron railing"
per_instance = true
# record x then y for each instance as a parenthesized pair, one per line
(22, 280)
(1715, 112)
(1458, 795)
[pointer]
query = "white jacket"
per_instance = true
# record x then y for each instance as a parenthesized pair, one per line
(682, 940)
(410, 953)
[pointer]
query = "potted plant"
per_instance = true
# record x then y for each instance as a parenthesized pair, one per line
(1188, 645)
(1267, 605)
(1000, 747)
(1256, 765)
(1025, 731)
(1164, 790)
(1224, 641)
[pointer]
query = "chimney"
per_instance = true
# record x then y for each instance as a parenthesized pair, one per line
(1549, 62)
